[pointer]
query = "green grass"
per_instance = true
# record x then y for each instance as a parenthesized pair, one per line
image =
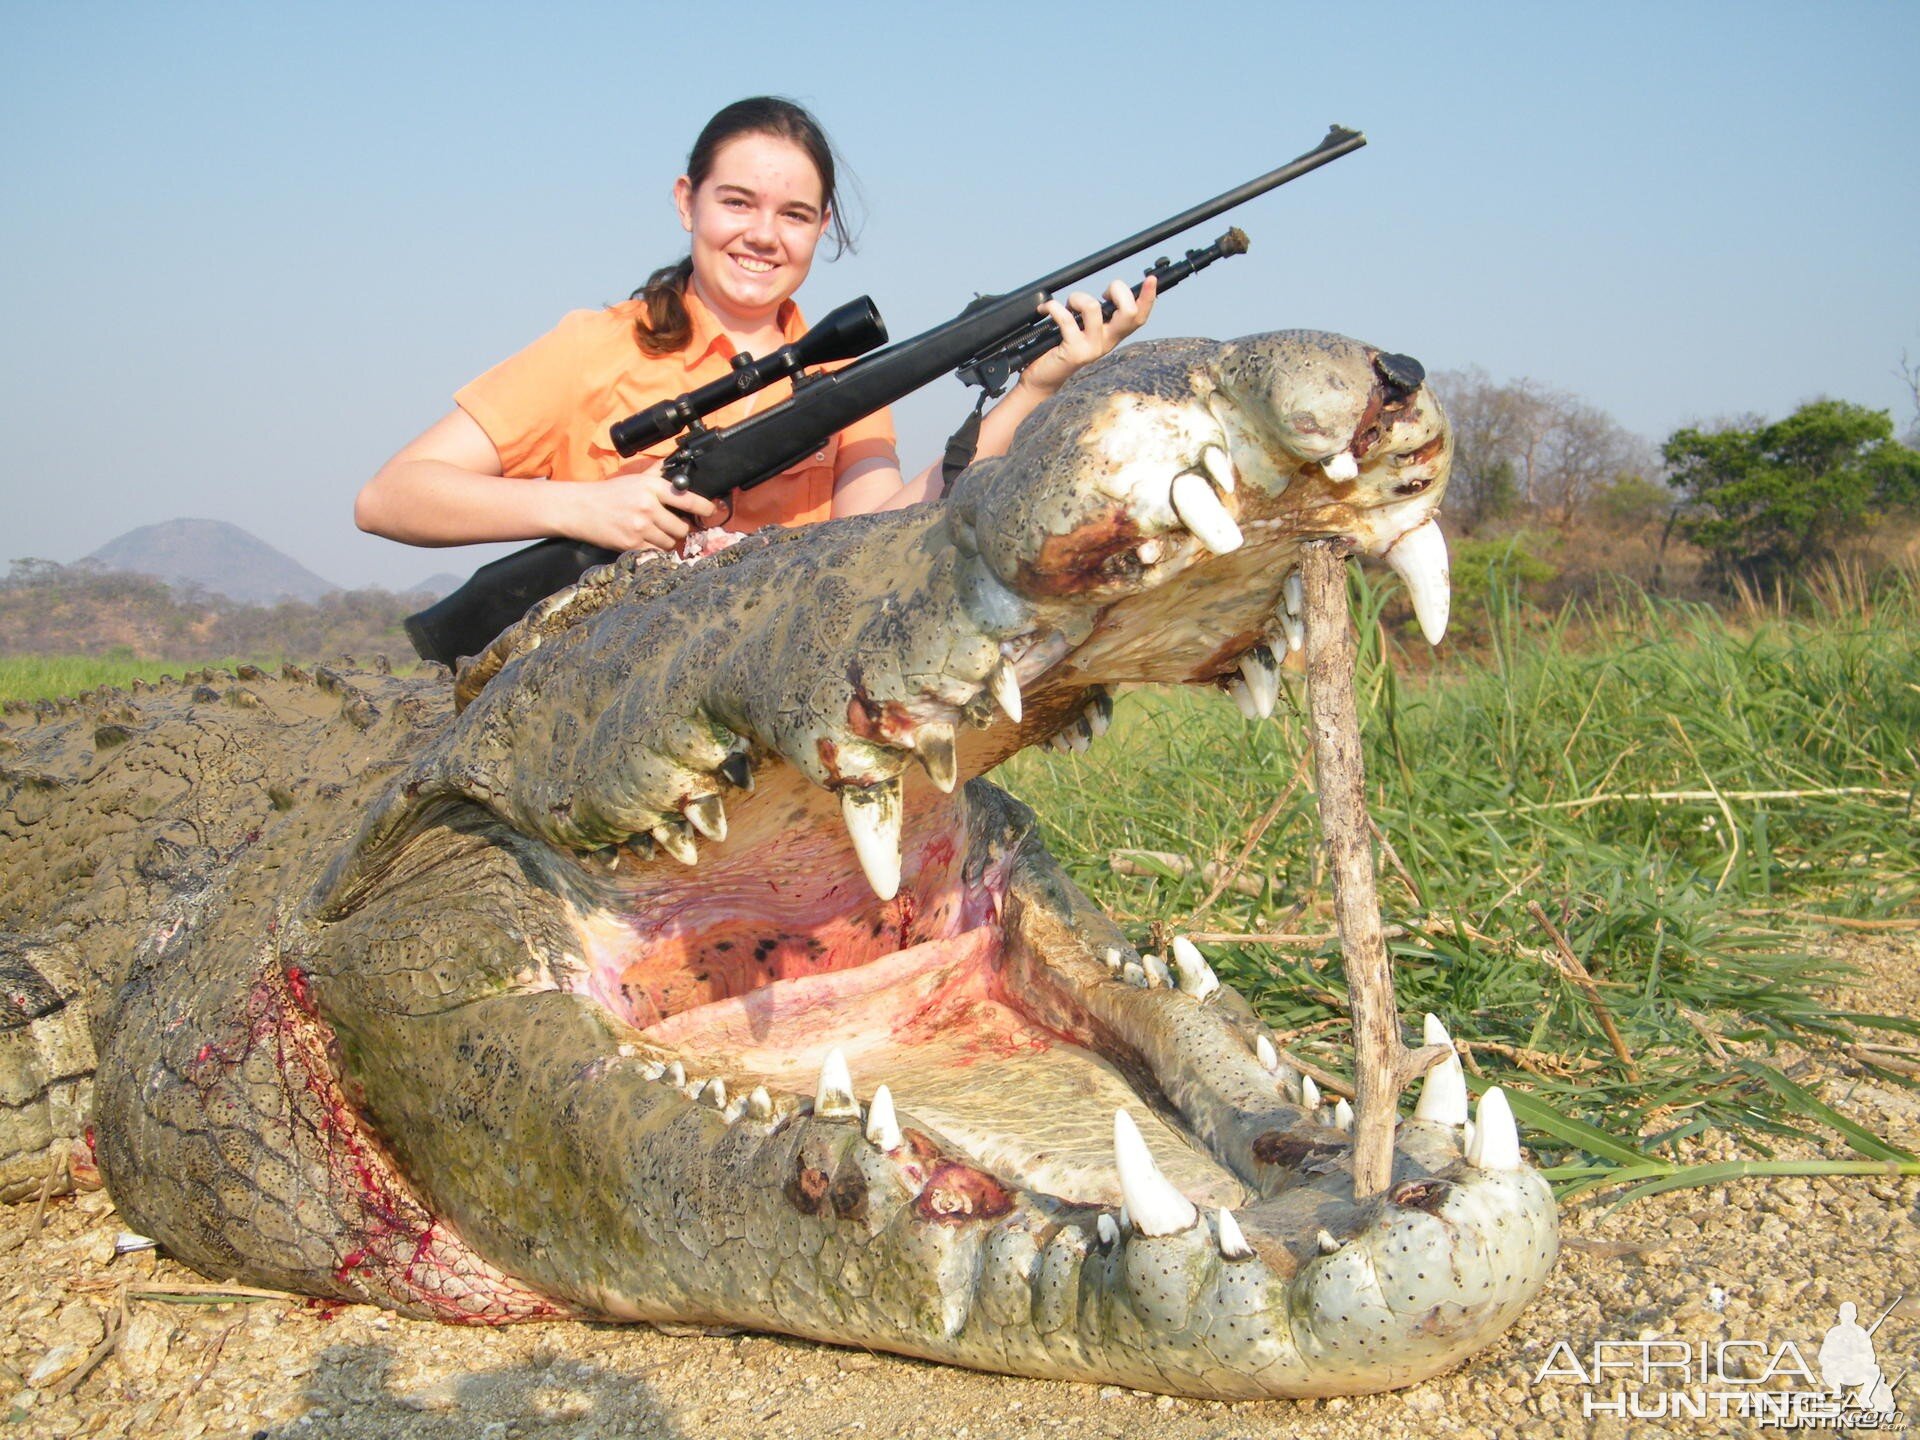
(1516, 776)
(47, 677)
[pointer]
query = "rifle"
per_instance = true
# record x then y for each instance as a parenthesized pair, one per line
(988, 341)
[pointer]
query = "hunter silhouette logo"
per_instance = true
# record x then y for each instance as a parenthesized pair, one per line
(1847, 1363)
(1845, 1387)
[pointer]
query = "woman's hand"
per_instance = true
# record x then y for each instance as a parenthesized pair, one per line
(1087, 339)
(635, 508)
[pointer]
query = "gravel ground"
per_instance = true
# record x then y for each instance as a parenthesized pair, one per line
(1759, 1261)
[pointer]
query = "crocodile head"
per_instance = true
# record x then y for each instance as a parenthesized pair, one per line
(692, 975)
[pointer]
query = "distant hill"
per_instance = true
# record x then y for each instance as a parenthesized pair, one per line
(219, 558)
(444, 583)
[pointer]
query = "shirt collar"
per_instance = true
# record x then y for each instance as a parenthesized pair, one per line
(708, 337)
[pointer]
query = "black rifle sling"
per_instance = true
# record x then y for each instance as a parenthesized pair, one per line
(962, 446)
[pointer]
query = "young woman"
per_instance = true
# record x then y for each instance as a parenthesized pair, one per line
(757, 199)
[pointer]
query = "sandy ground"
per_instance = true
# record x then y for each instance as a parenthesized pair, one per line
(1767, 1262)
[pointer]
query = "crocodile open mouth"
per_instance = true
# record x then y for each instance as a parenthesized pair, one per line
(694, 974)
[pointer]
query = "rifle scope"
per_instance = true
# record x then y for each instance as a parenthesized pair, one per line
(851, 330)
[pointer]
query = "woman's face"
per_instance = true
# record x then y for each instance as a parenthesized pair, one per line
(755, 221)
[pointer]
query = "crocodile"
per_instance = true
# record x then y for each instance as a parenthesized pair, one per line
(677, 965)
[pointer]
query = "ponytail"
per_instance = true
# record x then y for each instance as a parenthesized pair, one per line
(665, 326)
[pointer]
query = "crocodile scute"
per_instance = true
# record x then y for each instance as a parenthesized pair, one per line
(679, 965)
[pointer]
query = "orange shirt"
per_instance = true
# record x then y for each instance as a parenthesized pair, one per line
(548, 409)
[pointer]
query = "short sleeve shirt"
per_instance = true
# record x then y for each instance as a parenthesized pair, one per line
(549, 409)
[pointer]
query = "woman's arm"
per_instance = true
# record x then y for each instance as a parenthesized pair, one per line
(446, 488)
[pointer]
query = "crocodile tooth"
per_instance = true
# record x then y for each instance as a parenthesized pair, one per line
(737, 771)
(1262, 674)
(1443, 1092)
(1006, 690)
(834, 1099)
(1328, 1245)
(1079, 737)
(736, 1107)
(672, 837)
(883, 1129)
(610, 857)
(715, 1093)
(676, 1075)
(1107, 1230)
(653, 1069)
(1496, 1139)
(1309, 1093)
(1113, 958)
(1342, 1115)
(872, 816)
(1466, 1137)
(707, 815)
(1243, 697)
(1156, 1206)
(1196, 975)
(1294, 594)
(1098, 713)
(1151, 551)
(1295, 629)
(1233, 1244)
(1419, 558)
(1157, 972)
(1219, 465)
(1264, 1052)
(1341, 467)
(760, 1103)
(1198, 505)
(933, 744)
(1133, 974)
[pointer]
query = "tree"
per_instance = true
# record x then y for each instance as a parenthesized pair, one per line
(1765, 500)
(1520, 447)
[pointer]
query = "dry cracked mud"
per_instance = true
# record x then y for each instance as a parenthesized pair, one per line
(1761, 1261)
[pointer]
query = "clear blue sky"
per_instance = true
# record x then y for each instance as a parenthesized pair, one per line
(248, 250)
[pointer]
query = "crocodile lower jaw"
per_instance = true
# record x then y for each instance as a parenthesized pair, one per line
(945, 1114)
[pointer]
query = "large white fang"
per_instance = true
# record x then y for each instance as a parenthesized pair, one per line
(1006, 690)
(673, 838)
(1295, 630)
(872, 816)
(1341, 467)
(834, 1099)
(933, 743)
(1443, 1094)
(1200, 510)
(1496, 1139)
(883, 1129)
(1233, 1244)
(1196, 976)
(1107, 1230)
(1309, 1093)
(1265, 1053)
(1262, 675)
(707, 815)
(1419, 558)
(1155, 1206)
(1342, 1115)
(1242, 694)
(1219, 465)
(760, 1103)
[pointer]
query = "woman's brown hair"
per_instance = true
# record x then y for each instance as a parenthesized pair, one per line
(665, 326)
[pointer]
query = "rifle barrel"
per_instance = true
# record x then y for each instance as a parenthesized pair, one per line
(1340, 141)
